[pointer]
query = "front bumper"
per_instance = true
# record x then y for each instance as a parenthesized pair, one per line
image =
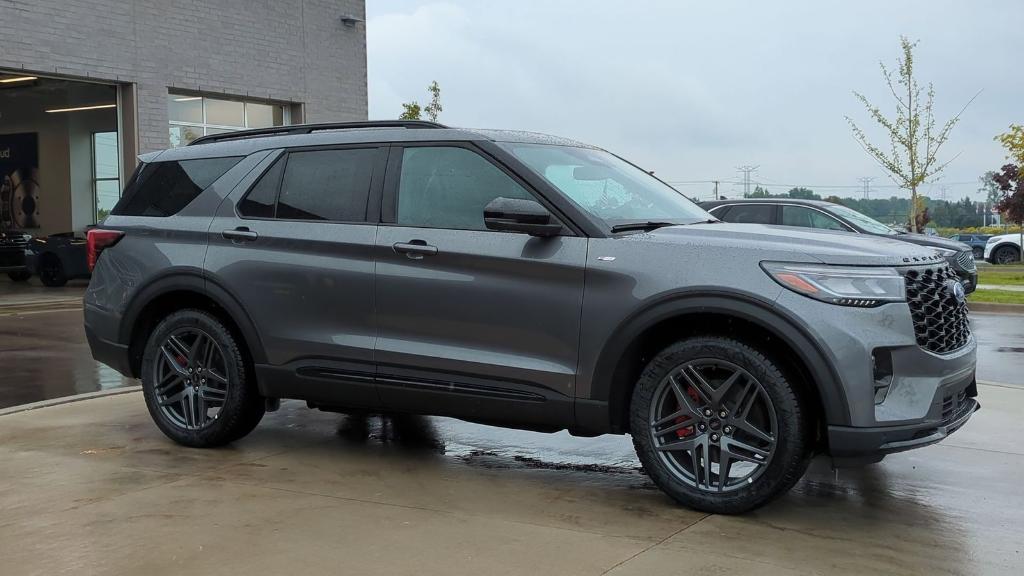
(954, 406)
(12, 259)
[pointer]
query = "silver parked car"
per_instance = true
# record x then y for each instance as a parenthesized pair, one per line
(524, 281)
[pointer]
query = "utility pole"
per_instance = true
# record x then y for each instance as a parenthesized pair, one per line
(866, 181)
(716, 190)
(747, 170)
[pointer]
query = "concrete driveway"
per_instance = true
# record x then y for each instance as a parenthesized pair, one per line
(91, 487)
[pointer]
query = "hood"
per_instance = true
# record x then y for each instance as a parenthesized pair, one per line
(795, 244)
(932, 241)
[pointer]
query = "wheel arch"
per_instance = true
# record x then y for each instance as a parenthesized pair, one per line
(1004, 244)
(179, 290)
(743, 317)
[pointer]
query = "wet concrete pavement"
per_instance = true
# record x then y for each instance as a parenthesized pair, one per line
(91, 487)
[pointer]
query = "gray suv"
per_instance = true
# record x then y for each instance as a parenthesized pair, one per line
(523, 281)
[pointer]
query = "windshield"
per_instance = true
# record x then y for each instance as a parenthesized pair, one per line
(867, 223)
(607, 186)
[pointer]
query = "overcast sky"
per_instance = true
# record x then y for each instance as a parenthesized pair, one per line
(694, 89)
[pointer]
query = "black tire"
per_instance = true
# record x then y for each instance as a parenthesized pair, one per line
(239, 406)
(51, 271)
(1006, 255)
(779, 406)
(19, 276)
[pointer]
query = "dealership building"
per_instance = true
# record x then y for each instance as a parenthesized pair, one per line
(87, 86)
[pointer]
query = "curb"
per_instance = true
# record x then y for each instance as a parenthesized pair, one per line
(995, 307)
(69, 399)
(41, 306)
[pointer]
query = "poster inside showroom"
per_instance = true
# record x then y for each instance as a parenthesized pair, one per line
(19, 181)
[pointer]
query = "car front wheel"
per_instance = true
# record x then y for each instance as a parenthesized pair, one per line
(718, 427)
(196, 383)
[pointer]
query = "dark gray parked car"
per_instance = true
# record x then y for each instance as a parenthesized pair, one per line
(823, 215)
(524, 281)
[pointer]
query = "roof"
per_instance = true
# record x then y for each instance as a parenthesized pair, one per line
(800, 201)
(245, 142)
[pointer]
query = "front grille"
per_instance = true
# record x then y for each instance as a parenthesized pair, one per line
(940, 319)
(966, 260)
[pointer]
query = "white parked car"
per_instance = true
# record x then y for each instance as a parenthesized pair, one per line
(1003, 249)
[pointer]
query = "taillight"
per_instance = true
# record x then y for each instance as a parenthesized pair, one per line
(97, 240)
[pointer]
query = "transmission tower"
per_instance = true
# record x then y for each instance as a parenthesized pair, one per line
(943, 192)
(747, 170)
(866, 181)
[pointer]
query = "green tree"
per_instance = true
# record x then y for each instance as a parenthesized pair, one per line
(802, 193)
(834, 199)
(413, 110)
(914, 137)
(759, 193)
(1013, 141)
(410, 111)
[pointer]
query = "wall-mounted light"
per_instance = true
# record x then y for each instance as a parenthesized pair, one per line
(18, 79)
(79, 108)
(350, 21)
(188, 98)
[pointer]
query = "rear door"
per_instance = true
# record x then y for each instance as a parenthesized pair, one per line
(294, 246)
(473, 323)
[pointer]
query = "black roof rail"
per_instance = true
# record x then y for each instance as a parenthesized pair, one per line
(310, 128)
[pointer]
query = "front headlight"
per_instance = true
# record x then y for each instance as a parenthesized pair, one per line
(843, 285)
(945, 252)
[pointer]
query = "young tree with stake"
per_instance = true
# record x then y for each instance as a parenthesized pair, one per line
(914, 137)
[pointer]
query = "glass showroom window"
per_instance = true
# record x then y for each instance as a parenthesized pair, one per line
(106, 173)
(195, 116)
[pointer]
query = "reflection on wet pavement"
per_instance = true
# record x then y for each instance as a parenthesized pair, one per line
(45, 355)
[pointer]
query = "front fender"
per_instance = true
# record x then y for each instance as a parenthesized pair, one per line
(609, 386)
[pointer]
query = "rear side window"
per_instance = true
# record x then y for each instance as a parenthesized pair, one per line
(326, 185)
(752, 214)
(329, 185)
(164, 188)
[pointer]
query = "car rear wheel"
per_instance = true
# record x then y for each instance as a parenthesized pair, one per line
(19, 276)
(51, 271)
(196, 383)
(1006, 255)
(718, 427)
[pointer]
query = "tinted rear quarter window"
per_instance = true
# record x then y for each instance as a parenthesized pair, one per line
(261, 199)
(164, 188)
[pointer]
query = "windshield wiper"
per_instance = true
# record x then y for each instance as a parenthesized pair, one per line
(641, 226)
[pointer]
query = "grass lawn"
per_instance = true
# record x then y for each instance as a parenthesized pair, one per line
(1010, 274)
(997, 296)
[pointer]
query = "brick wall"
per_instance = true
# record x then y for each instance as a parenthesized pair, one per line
(289, 50)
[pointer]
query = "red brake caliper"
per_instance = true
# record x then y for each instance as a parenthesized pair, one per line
(688, 430)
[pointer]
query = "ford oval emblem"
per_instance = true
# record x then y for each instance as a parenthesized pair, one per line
(956, 290)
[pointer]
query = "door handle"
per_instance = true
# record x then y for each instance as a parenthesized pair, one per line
(415, 249)
(242, 234)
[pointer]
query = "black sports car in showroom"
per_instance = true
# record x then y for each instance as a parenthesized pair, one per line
(58, 258)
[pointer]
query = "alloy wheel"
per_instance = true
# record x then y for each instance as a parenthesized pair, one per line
(713, 425)
(190, 373)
